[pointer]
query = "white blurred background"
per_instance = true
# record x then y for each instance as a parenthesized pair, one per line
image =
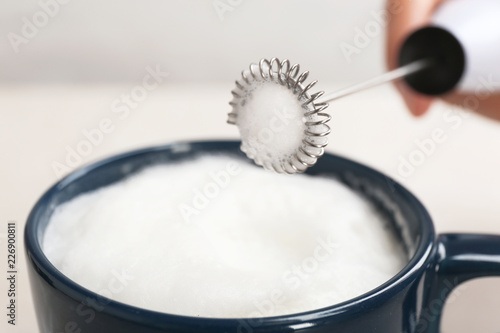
(198, 41)
(65, 68)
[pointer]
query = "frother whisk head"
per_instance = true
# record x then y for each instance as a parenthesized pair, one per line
(282, 125)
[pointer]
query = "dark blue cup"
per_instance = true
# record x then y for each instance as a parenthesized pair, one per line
(412, 301)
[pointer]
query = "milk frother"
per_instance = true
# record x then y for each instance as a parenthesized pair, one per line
(458, 51)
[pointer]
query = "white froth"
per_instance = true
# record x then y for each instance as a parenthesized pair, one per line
(216, 237)
(271, 123)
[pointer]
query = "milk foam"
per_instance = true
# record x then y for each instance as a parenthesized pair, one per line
(271, 124)
(217, 237)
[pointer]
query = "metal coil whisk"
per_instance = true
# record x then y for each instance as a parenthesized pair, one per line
(314, 138)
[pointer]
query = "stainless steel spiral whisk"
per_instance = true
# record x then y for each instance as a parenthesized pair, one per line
(314, 138)
(316, 129)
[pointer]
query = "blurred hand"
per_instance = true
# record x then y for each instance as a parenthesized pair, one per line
(411, 15)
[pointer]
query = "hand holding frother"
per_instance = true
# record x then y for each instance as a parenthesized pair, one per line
(479, 19)
(459, 50)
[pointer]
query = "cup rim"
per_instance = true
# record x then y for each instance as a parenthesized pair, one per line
(58, 280)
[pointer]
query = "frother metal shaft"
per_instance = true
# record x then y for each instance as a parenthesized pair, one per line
(380, 79)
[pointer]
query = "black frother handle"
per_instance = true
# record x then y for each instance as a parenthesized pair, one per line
(446, 55)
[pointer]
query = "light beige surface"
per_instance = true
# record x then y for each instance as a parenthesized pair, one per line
(459, 182)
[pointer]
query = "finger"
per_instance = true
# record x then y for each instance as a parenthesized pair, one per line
(417, 104)
(404, 17)
(485, 105)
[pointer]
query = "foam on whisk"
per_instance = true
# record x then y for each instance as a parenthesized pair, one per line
(217, 237)
(271, 124)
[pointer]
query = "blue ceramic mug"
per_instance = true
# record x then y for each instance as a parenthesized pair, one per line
(412, 301)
